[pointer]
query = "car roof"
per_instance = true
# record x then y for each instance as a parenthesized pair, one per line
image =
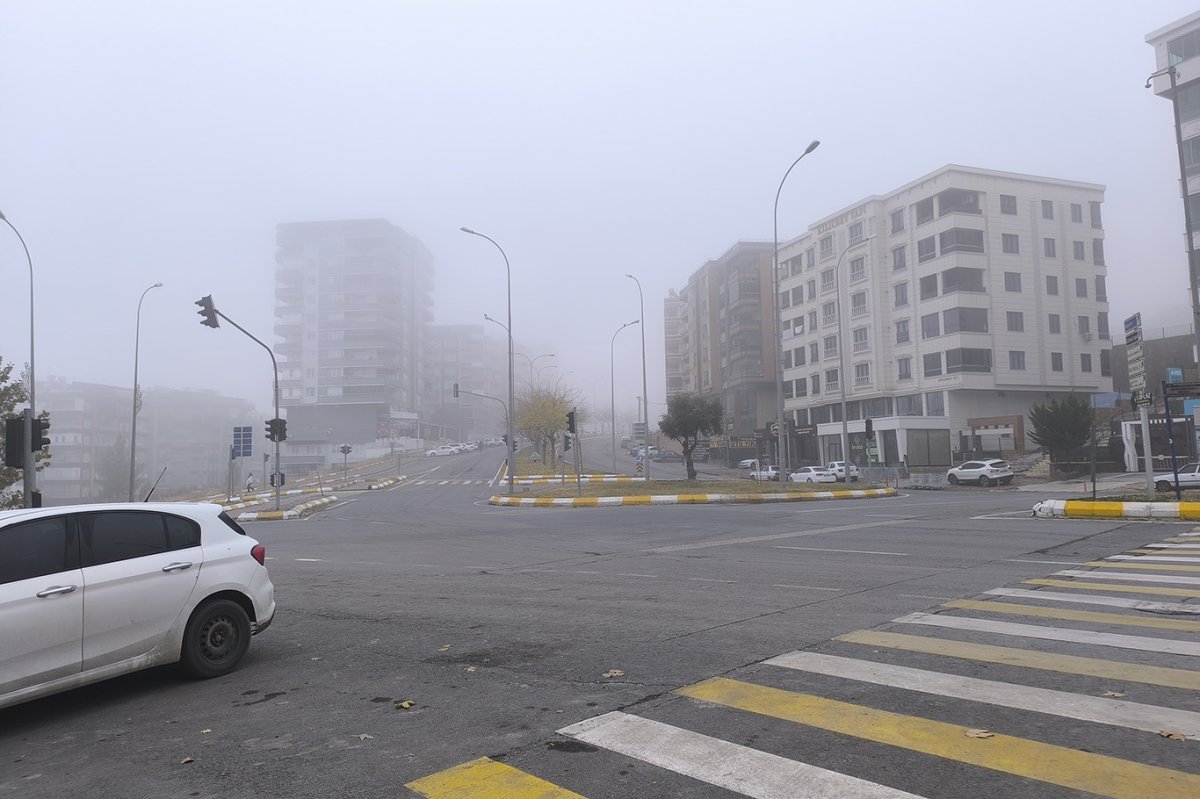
(183, 508)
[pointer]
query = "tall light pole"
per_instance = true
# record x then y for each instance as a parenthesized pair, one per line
(511, 448)
(837, 274)
(612, 384)
(137, 333)
(781, 442)
(532, 361)
(645, 393)
(29, 472)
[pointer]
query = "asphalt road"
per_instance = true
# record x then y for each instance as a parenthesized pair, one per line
(503, 626)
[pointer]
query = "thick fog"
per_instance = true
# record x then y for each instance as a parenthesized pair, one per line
(147, 142)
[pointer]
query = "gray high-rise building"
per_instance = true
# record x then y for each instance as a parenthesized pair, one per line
(352, 303)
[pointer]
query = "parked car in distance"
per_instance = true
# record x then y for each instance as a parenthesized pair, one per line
(1189, 477)
(89, 592)
(444, 449)
(839, 470)
(665, 455)
(626, 442)
(812, 474)
(764, 473)
(984, 472)
(748, 463)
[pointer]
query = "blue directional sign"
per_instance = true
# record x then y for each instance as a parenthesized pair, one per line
(242, 448)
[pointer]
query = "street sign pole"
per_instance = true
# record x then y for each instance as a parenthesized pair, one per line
(1171, 441)
(1137, 382)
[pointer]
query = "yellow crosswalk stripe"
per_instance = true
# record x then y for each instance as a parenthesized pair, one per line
(1125, 564)
(1126, 589)
(1164, 551)
(1073, 615)
(1058, 765)
(487, 779)
(1029, 659)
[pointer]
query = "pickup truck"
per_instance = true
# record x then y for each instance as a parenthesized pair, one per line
(764, 473)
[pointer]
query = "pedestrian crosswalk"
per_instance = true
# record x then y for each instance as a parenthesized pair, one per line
(1083, 682)
(449, 482)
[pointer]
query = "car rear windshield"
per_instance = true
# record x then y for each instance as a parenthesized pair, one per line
(237, 528)
(998, 465)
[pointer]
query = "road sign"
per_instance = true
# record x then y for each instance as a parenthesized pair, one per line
(242, 442)
(1142, 398)
(1133, 323)
(1183, 389)
(775, 429)
(1138, 382)
(1134, 351)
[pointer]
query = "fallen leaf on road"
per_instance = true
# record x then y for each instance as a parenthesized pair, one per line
(1114, 693)
(613, 673)
(469, 668)
(362, 736)
(314, 659)
(405, 705)
(980, 734)
(1174, 736)
(444, 648)
(205, 732)
(186, 760)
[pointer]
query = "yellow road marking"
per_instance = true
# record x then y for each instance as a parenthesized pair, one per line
(1125, 564)
(487, 779)
(1029, 659)
(1057, 765)
(1126, 589)
(1164, 551)
(1073, 615)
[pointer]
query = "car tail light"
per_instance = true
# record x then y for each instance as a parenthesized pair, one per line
(259, 553)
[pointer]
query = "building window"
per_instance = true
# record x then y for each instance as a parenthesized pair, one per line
(827, 280)
(1094, 210)
(926, 250)
(966, 359)
(897, 221)
(1085, 326)
(928, 286)
(799, 356)
(909, 405)
(862, 341)
(935, 404)
(816, 384)
(1016, 322)
(811, 286)
(1049, 248)
(898, 259)
(1016, 360)
(812, 320)
(1012, 281)
(1106, 363)
(1101, 289)
(826, 245)
(831, 346)
(1076, 212)
(858, 303)
(902, 332)
(831, 380)
(1085, 362)
(1010, 243)
(1102, 325)
(856, 232)
(787, 389)
(785, 299)
(1055, 323)
(1008, 204)
(829, 313)
(925, 211)
(1081, 287)
(958, 201)
(1098, 252)
(1052, 285)
(933, 364)
(900, 290)
(965, 320)
(810, 258)
(801, 386)
(904, 369)
(962, 278)
(1047, 209)
(930, 326)
(862, 374)
(1077, 251)
(787, 359)
(858, 269)
(1056, 362)
(961, 240)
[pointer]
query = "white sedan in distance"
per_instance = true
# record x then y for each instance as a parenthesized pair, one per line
(89, 592)
(812, 474)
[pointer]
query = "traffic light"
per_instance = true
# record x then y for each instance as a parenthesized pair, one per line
(567, 442)
(456, 390)
(207, 311)
(41, 435)
(571, 421)
(281, 479)
(14, 442)
(277, 430)
(870, 429)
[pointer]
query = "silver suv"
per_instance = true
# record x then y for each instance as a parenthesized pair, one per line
(985, 472)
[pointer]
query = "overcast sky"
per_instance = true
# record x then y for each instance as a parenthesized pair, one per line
(157, 141)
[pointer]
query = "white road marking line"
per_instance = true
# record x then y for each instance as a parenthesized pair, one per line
(580, 571)
(1051, 562)
(805, 587)
(925, 596)
(1140, 642)
(629, 574)
(1171, 546)
(711, 580)
(1098, 599)
(1100, 574)
(738, 768)
(774, 537)
(847, 551)
(1133, 715)
(1156, 558)
(307, 560)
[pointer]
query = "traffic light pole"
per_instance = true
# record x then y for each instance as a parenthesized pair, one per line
(275, 367)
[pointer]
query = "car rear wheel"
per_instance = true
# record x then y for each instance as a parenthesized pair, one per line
(216, 638)
(952, 479)
(984, 480)
(1163, 485)
(809, 480)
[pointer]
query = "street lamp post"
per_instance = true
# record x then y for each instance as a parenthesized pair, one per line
(782, 440)
(612, 384)
(29, 472)
(137, 333)
(532, 361)
(510, 455)
(837, 274)
(645, 392)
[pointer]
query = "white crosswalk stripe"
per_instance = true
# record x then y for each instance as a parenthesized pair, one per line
(1095, 599)
(1129, 576)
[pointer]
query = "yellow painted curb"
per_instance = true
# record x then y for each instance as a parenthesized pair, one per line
(1087, 509)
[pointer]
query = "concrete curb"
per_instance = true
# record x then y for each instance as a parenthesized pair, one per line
(1086, 509)
(298, 512)
(390, 481)
(594, 478)
(687, 499)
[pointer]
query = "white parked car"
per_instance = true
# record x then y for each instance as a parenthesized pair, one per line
(985, 472)
(812, 474)
(764, 473)
(444, 449)
(1189, 477)
(748, 463)
(839, 470)
(89, 592)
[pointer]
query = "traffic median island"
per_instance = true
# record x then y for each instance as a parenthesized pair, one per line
(1109, 509)
(297, 512)
(654, 495)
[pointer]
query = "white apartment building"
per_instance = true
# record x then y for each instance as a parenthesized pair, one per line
(963, 298)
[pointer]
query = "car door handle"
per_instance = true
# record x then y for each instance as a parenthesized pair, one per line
(177, 566)
(55, 591)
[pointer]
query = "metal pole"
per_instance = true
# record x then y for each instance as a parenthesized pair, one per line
(645, 393)
(29, 472)
(777, 349)
(612, 384)
(137, 333)
(1144, 413)
(1171, 440)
